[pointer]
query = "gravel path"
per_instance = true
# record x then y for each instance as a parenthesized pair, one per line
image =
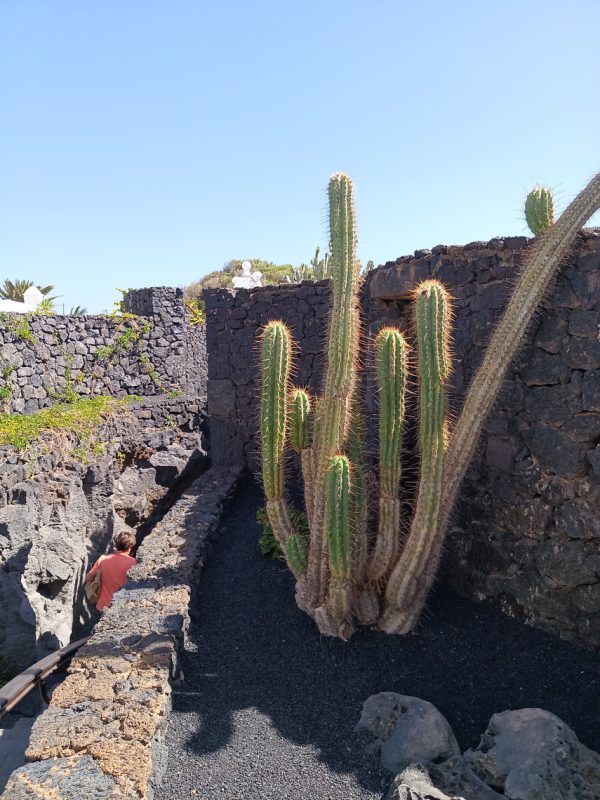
(268, 706)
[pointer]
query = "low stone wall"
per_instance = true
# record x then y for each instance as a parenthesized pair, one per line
(110, 744)
(62, 502)
(46, 358)
(526, 530)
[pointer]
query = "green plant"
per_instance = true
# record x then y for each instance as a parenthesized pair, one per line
(119, 306)
(46, 306)
(18, 325)
(80, 417)
(267, 543)
(539, 210)
(196, 311)
(343, 576)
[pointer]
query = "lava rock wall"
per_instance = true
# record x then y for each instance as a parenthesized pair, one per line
(526, 532)
(48, 358)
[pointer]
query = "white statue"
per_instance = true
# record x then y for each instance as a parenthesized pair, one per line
(31, 300)
(248, 279)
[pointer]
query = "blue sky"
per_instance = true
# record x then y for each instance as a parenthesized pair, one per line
(147, 143)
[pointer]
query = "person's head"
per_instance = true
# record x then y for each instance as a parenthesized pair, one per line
(125, 542)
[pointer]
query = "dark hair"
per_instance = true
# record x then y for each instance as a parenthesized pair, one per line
(124, 540)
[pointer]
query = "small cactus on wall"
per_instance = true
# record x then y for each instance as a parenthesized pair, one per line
(345, 573)
(539, 210)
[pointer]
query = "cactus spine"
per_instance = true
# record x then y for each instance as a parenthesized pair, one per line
(539, 210)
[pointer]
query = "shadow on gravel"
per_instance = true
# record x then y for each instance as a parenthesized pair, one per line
(256, 650)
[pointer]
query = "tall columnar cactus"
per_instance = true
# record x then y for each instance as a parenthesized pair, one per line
(334, 412)
(539, 210)
(391, 356)
(342, 577)
(432, 311)
(334, 616)
(275, 369)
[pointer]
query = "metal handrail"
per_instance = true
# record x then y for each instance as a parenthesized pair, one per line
(35, 675)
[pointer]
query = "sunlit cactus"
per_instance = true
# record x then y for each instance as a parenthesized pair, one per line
(539, 210)
(432, 314)
(275, 371)
(391, 361)
(347, 574)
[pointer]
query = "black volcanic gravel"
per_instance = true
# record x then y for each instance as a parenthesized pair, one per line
(268, 706)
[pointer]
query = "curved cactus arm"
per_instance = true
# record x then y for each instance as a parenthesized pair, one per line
(541, 264)
(334, 410)
(432, 313)
(334, 617)
(539, 210)
(391, 360)
(275, 371)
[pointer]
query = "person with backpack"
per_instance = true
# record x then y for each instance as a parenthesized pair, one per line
(109, 573)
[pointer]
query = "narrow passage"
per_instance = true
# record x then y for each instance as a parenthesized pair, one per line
(268, 706)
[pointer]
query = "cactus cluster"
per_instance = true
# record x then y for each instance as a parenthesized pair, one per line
(347, 574)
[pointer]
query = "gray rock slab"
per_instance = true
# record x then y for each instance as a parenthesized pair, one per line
(406, 730)
(13, 743)
(72, 778)
(530, 754)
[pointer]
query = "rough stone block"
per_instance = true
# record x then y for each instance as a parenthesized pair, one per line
(555, 451)
(591, 391)
(221, 398)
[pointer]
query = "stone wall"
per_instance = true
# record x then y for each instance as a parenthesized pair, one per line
(61, 504)
(44, 359)
(233, 322)
(103, 733)
(527, 528)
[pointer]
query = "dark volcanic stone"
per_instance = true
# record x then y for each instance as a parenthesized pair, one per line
(543, 369)
(591, 391)
(556, 451)
(584, 324)
(551, 333)
(552, 403)
(583, 353)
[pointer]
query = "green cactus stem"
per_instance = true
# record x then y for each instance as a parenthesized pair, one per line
(391, 356)
(275, 370)
(354, 448)
(432, 315)
(299, 420)
(296, 554)
(300, 413)
(334, 618)
(334, 413)
(539, 210)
